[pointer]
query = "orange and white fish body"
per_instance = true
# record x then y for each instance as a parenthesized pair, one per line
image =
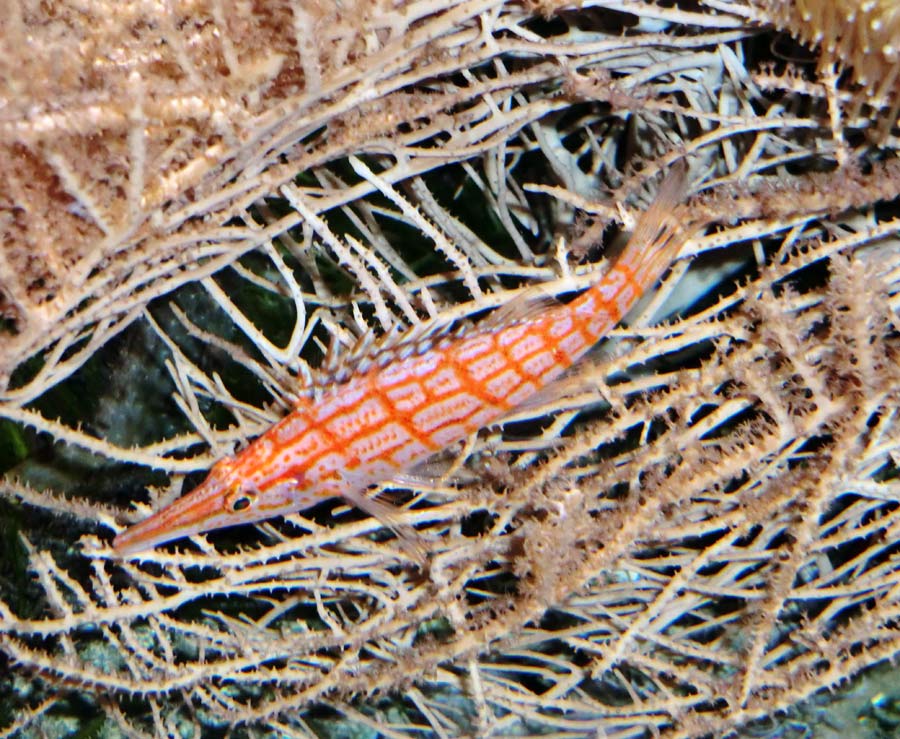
(414, 399)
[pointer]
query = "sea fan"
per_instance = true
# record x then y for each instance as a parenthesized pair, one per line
(209, 209)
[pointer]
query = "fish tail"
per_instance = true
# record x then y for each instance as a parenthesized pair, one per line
(659, 233)
(656, 240)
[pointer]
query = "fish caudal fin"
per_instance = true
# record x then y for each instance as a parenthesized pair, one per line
(659, 233)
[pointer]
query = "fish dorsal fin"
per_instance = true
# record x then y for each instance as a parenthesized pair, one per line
(522, 308)
(399, 343)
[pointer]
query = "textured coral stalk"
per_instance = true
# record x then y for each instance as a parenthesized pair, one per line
(860, 36)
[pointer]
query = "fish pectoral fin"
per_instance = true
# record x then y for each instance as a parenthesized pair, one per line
(386, 514)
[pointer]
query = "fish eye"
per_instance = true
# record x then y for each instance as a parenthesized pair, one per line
(237, 499)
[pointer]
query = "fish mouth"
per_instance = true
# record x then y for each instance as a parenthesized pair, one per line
(199, 510)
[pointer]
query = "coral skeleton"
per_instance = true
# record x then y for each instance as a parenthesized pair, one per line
(209, 209)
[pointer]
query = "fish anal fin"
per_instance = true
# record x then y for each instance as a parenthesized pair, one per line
(428, 474)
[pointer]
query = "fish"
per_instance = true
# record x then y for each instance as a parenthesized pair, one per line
(411, 399)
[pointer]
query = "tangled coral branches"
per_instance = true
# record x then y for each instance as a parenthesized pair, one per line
(699, 531)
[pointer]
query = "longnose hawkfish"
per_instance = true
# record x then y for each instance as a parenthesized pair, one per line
(415, 398)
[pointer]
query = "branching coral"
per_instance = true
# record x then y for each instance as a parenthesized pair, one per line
(699, 528)
(860, 39)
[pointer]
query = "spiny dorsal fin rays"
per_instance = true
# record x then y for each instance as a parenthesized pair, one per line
(401, 341)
